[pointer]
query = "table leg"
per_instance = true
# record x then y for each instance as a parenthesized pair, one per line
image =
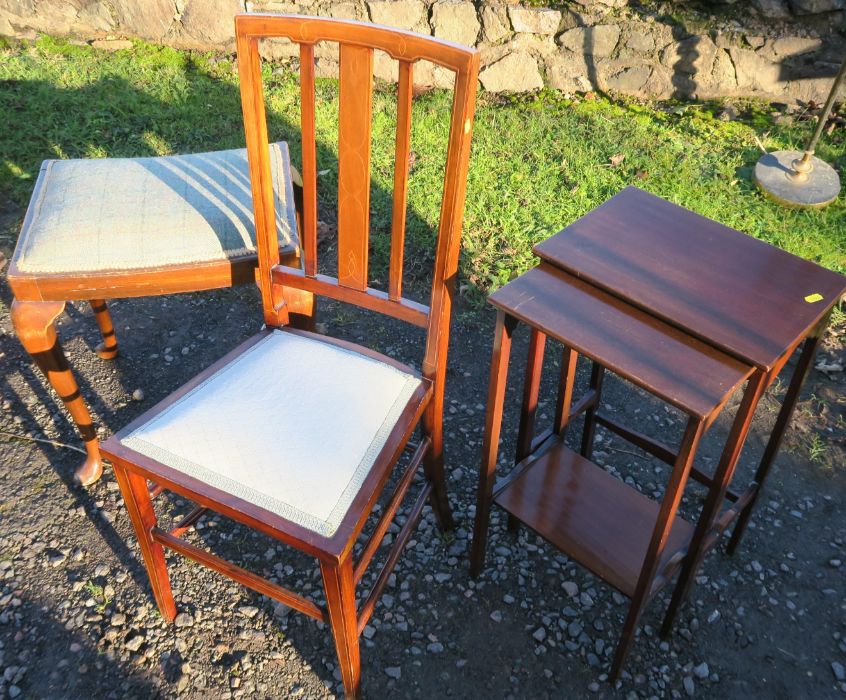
(716, 493)
(531, 387)
(493, 423)
(597, 373)
(34, 323)
(569, 358)
(663, 525)
(809, 350)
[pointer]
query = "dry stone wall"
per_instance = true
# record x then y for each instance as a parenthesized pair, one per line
(775, 49)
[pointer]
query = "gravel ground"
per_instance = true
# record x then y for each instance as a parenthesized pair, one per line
(77, 618)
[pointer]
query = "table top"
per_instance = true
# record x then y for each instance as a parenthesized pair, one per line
(742, 295)
(678, 368)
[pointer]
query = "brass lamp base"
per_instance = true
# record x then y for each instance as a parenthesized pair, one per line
(814, 185)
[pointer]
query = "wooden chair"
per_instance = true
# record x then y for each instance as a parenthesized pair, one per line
(303, 456)
(109, 228)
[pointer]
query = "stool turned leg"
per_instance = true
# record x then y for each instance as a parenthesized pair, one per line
(34, 324)
(108, 349)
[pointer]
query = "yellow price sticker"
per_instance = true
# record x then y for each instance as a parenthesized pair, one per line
(813, 298)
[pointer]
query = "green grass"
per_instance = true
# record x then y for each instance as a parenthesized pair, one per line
(538, 162)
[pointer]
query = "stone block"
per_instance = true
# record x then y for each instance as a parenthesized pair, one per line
(569, 72)
(534, 20)
(95, 16)
(755, 73)
(638, 40)
(787, 46)
(211, 22)
(773, 9)
(692, 56)
(345, 10)
(517, 72)
(620, 77)
(456, 21)
(277, 49)
(404, 14)
(495, 23)
(151, 19)
(599, 41)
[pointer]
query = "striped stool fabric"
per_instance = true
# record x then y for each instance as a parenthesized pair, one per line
(106, 214)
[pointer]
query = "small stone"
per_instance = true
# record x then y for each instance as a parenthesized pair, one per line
(435, 648)
(248, 611)
(689, 686)
(836, 563)
(570, 588)
(138, 395)
(184, 619)
(701, 671)
(369, 632)
(118, 620)
(14, 691)
(713, 617)
(112, 44)
(496, 616)
(393, 672)
(838, 670)
(539, 634)
(134, 644)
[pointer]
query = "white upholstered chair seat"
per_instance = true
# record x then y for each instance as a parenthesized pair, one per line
(108, 214)
(296, 443)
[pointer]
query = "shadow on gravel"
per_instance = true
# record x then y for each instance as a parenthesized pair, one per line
(50, 660)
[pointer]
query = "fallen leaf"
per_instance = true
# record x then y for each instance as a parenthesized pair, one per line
(641, 175)
(616, 159)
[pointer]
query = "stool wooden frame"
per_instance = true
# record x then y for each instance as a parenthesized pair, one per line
(625, 538)
(334, 553)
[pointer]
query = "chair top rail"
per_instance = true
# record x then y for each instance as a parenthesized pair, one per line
(400, 44)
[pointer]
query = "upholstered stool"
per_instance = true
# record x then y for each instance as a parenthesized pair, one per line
(124, 227)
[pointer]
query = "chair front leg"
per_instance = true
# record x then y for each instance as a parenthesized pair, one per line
(34, 323)
(339, 584)
(108, 349)
(139, 504)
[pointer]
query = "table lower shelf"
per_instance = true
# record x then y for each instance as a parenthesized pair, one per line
(593, 517)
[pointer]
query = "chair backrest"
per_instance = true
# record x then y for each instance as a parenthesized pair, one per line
(357, 41)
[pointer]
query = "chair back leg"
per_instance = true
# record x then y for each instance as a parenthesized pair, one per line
(433, 466)
(139, 504)
(339, 585)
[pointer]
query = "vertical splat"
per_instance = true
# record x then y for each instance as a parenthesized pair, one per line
(354, 164)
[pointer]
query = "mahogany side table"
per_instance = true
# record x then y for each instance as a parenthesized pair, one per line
(627, 539)
(745, 297)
